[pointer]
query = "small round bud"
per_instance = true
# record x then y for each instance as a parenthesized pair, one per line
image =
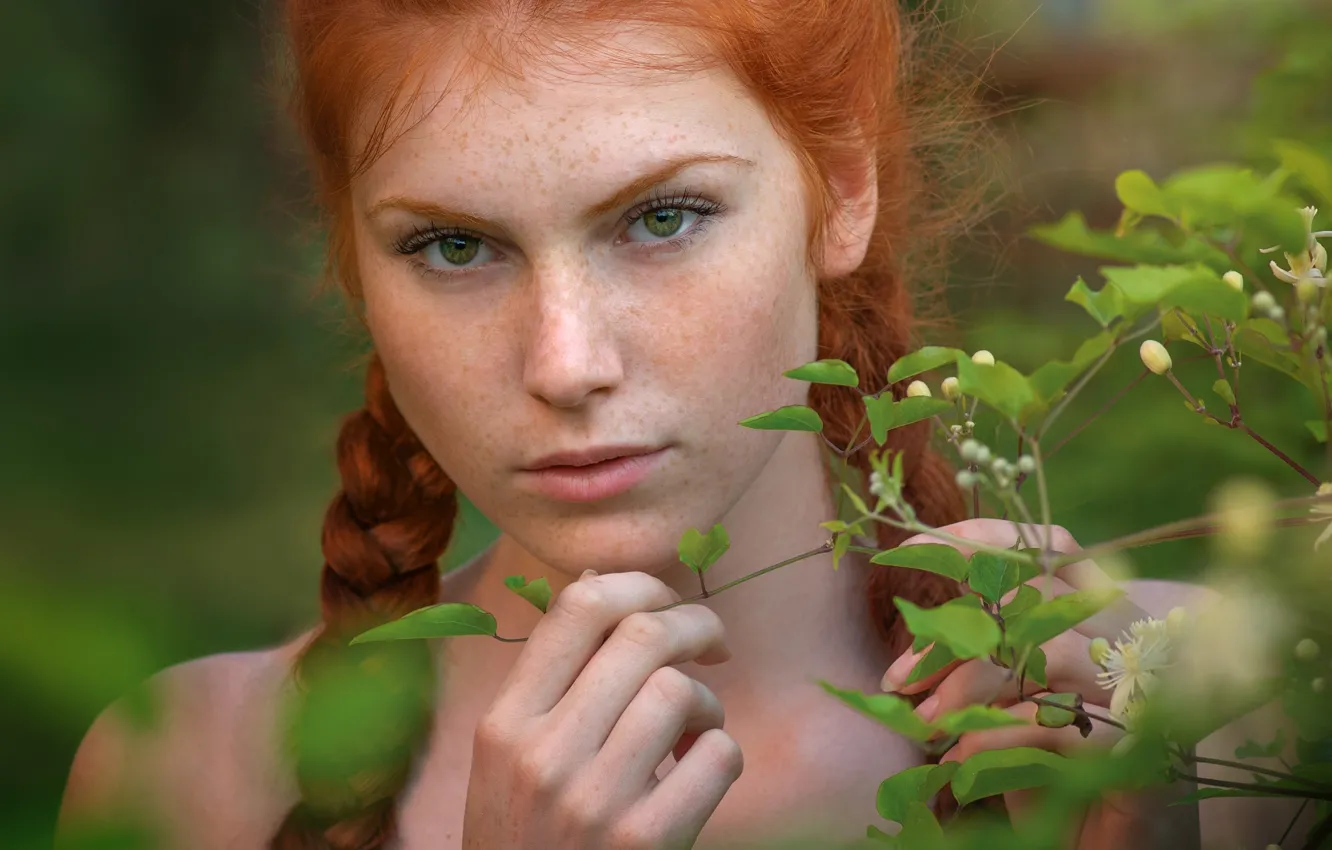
(1262, 302)
(1307, 649)
(983, 357)
(1175, 621)
(1320, 257)
(1027, 464)
(950, 388)
(1306, 291)
(969, 450)
(918, 389)
(983, 454)
(966, 479)
(955, 430)
(1154, 356)
(1318, 685)
(1276, 314)
(969, 425)
(1001, 466)
(1234, 280)
(1098, 650)
(1320, 336)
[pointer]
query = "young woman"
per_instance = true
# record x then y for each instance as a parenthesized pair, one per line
(586, 239)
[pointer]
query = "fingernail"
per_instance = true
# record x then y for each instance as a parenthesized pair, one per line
(587, 574)
(899, 670)
(926, 710)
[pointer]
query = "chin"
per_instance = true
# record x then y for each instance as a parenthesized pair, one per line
(616, 543)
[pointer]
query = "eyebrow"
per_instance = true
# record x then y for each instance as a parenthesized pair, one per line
(658, 174)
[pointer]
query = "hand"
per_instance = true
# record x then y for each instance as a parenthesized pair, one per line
(566, 756)
(1069, 668)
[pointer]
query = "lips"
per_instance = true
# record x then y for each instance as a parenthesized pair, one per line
(589, 456)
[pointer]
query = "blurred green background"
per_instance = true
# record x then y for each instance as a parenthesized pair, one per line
(172, 383)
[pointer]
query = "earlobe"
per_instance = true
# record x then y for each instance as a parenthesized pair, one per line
(848, 235)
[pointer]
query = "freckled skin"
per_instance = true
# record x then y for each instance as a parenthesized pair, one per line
(568, 336)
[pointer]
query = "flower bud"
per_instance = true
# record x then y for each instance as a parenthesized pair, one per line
(969, 450)
(1318, 685)
(955, 430)
(966, 479)
(1308, 213)
(983, 357)
(1001, 466)
(918, 389)
(1098, 650)
(1307, 649)
(1154, 356)
(1277, 314)
(1175, 621)
(969, 425)
(1320, 257)
(1027, 464)
(983, 454)
(1262, 301)
(1306, 291)
(1235, 280)
(950, 388)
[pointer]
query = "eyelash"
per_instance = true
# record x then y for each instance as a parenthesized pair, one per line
(687, 199)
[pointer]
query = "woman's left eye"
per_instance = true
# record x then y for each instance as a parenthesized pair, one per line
(670, 221)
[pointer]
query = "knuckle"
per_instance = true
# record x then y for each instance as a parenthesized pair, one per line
(643, 629)
(672, 687)
(723, 752)
(491, 733)
(582, 600)
(538, 771)
(582, 812)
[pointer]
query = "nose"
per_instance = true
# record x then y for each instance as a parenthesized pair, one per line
(572, 350)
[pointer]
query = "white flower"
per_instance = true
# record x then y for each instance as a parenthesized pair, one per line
(1132, 666)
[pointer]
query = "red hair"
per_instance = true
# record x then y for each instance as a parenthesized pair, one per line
(833, 78)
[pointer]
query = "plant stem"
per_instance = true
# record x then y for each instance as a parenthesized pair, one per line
(1248, 768)
(1294, 820)
(1106, 720)
(777, 566)
(1311, 794)
(1098, 414)
(702, 585)
(1312, 479)
(1044, 492)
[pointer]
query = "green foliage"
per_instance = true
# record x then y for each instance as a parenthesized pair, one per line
(537, 592)
(792, 417)
(838, 373)
(958, 624)
(930, 557)
(450, 619)
(699, 551)
(913, 785)
(993, 772)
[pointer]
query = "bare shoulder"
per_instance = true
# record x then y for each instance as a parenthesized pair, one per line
(196, 752)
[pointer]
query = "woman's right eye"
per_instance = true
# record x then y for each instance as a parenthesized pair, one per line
(443, 251)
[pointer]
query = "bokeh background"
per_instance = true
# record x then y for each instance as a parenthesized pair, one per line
(172, 380)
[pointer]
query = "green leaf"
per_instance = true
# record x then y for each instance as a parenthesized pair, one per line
(1222, 388)
(1000, 386)
(451, 619)
(1193, 288)
(1138, 192)
(1251, 750)
(880, 836)
(920, 830)
(1314, 171)
(992, 772)
(836, 372)
(840, 543)
(1051, 619)
(965, 629)
(1049, 380)
(856, 501)
(1318, 429)
(1026, 598)
(911, 410)
(793, 417)
(879, 409)
(931, 557)
(698, 552)
(1229, 196)
(1141, 246)
(975, 718)
(927, 358)
(892, 711)
(538, 592)
(1104, 306)
(913, 785)
(935, 660)
(992, 576)
(1036, 667)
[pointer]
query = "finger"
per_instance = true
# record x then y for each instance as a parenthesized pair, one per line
(895, 678)
(673, 813)
(567, 636)
(641, 644)
(670, 705)
(1063, 740)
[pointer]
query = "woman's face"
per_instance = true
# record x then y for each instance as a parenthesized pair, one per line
(591, 259)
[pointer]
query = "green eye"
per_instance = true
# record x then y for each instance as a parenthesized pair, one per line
(459, 250)
(664, 222)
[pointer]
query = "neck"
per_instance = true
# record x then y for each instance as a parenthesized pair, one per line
(786, 628)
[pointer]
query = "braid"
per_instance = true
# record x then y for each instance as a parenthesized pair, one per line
(363, 712)
(869, 334)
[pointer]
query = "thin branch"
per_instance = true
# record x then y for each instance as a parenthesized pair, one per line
(1311, 794)
(1309, 476)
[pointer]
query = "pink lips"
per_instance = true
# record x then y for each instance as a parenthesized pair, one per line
(593, 481)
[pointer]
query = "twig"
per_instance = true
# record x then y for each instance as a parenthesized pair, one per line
(1311, 794)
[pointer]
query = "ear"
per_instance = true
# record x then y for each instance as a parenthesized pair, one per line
(848, 235)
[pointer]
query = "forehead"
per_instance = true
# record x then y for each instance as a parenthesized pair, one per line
(627, 95)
